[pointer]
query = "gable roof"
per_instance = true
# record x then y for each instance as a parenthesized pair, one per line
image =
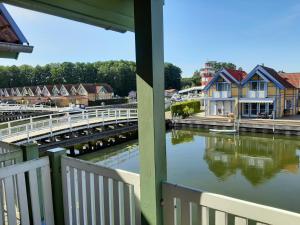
(270, 74)
(237, 74)
(12, 40)
(230, 75)
(292, 78)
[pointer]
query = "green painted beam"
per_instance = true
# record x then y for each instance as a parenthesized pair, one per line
(151, 115)
(110, 14)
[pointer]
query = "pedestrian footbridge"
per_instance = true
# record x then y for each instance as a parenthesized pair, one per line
(25, 130)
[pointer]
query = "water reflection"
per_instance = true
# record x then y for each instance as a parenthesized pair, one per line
(257, 158)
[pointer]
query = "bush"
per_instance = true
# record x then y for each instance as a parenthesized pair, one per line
(185, 109)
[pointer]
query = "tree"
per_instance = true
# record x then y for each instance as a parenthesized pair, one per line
(220, 65)
(121, 75)
(172, 76)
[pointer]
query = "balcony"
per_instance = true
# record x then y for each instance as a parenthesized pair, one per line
(257, 94)
(222, 94)
(86, 193)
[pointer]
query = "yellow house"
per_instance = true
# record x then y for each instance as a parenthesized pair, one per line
(266, 94)
(222, 92)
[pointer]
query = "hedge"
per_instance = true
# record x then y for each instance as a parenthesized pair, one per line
(185, 108)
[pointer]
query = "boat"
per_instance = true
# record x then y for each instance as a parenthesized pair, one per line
(223, 131)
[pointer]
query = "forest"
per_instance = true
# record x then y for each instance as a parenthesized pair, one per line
(119, 74)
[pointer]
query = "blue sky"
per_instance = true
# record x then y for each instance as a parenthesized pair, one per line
(243, 32)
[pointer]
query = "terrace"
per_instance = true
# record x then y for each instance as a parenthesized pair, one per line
(62, 190)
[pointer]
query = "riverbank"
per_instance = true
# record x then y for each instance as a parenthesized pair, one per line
(282, 126)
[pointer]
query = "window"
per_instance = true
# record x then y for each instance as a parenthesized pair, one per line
(271, 108)
(253, 86)
(223, 86)
(257, 85)
(288, 104)
(246, 109)
(262, 108)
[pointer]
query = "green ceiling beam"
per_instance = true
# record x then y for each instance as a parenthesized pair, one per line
(114, 15)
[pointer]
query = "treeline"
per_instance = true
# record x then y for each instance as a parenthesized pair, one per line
(119, 74)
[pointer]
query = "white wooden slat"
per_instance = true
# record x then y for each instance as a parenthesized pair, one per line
(240, 221)
(101, 200)
(65, 171)
(221, 218)
(185, 212)
(23, 201)
(1, 203)
(47, 194)
(205, 215)
(72, 195)
(260, 223)
(121, 203)
(10, 200)
(80, 198)
(34, 195)
(177, 211)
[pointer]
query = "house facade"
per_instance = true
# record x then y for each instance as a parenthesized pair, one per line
(222, 92)
(263, 93)
(61, 95)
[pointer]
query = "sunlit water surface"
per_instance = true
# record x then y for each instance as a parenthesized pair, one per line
(255, 167)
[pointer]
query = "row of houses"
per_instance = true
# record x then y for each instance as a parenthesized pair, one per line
(61, 94)
(261, 93)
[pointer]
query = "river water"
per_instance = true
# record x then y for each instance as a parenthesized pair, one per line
(260, 168)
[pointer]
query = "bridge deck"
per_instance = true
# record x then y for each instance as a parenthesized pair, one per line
(18, 137)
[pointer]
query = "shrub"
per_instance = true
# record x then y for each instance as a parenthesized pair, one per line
(185, 109)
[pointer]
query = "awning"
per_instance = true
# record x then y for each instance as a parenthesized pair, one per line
(219, 99)
(256, 100)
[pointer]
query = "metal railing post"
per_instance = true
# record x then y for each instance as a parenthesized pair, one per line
(27, 130)
(116, 119)
(102, 115)
(96, 113)
(9, 128)
(83, 115)
(50, 125)
(31, 125)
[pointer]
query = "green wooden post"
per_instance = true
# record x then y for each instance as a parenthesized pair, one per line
(56, 179)
(151, 116)
(30, 151)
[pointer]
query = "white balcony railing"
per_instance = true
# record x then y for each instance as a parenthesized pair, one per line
(221, 94)
(257, 94)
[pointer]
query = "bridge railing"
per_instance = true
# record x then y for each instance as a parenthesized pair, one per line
(27, 107)
(63, 120)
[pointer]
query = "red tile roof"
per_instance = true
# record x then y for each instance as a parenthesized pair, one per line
(239, 75)
(292, 78)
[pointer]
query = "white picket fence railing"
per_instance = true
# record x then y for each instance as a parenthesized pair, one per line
(187, 206)
(97, 195)
(67, 120)
(14, 203)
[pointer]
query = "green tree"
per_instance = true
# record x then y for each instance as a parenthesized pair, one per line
(220, 65)
(172, 76)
